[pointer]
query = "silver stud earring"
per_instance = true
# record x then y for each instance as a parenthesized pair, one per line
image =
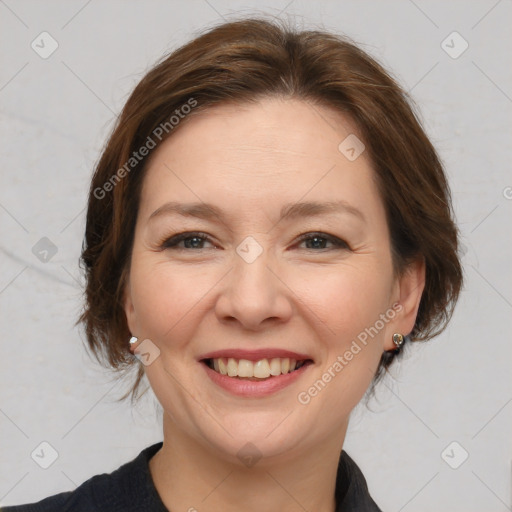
(398, 340)
(133, 340)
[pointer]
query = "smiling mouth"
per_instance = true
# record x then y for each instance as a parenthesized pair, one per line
(262, 369)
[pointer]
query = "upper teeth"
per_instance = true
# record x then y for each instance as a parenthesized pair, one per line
(261, 369)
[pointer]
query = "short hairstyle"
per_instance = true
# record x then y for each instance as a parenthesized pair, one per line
(242, 62)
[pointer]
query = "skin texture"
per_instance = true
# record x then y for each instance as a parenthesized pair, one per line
(250, 161)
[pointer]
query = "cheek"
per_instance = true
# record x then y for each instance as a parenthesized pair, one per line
(167, 299)
(351, 304)
(347, 299)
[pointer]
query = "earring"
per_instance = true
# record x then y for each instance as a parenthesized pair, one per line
(398, 340)
(133, 340)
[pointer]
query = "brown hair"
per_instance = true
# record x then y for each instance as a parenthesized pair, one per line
(243, 61)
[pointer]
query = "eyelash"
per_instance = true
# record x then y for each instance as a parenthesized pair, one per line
(172, 242)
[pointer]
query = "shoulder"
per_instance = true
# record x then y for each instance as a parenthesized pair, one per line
(79, 500)
(352, 492)
(119, 491)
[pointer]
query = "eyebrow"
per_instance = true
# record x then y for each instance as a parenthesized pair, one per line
(288, 211)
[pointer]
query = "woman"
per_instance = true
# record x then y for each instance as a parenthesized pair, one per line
(267, 226)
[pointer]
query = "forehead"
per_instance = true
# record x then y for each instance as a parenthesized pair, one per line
(254, 155)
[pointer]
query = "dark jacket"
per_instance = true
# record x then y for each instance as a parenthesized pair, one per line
(130, 488)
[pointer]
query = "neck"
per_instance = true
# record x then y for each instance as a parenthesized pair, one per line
(190, 477)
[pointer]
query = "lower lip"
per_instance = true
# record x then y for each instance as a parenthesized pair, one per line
(253, 388)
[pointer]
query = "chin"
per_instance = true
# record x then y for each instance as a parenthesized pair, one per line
(266, 436)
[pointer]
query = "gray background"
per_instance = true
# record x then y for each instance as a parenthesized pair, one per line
(57, 113)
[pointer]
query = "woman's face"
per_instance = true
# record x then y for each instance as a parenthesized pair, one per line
(245, 285)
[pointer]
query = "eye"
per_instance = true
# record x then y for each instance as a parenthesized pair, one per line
(191, 240)
(319, 240)
(196, 240)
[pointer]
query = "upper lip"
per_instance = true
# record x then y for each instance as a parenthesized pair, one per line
(255, 355)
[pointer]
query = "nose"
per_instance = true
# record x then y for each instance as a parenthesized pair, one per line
(254, 294)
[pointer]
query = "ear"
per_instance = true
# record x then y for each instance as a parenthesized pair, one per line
(129, 308)
(408, 294)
